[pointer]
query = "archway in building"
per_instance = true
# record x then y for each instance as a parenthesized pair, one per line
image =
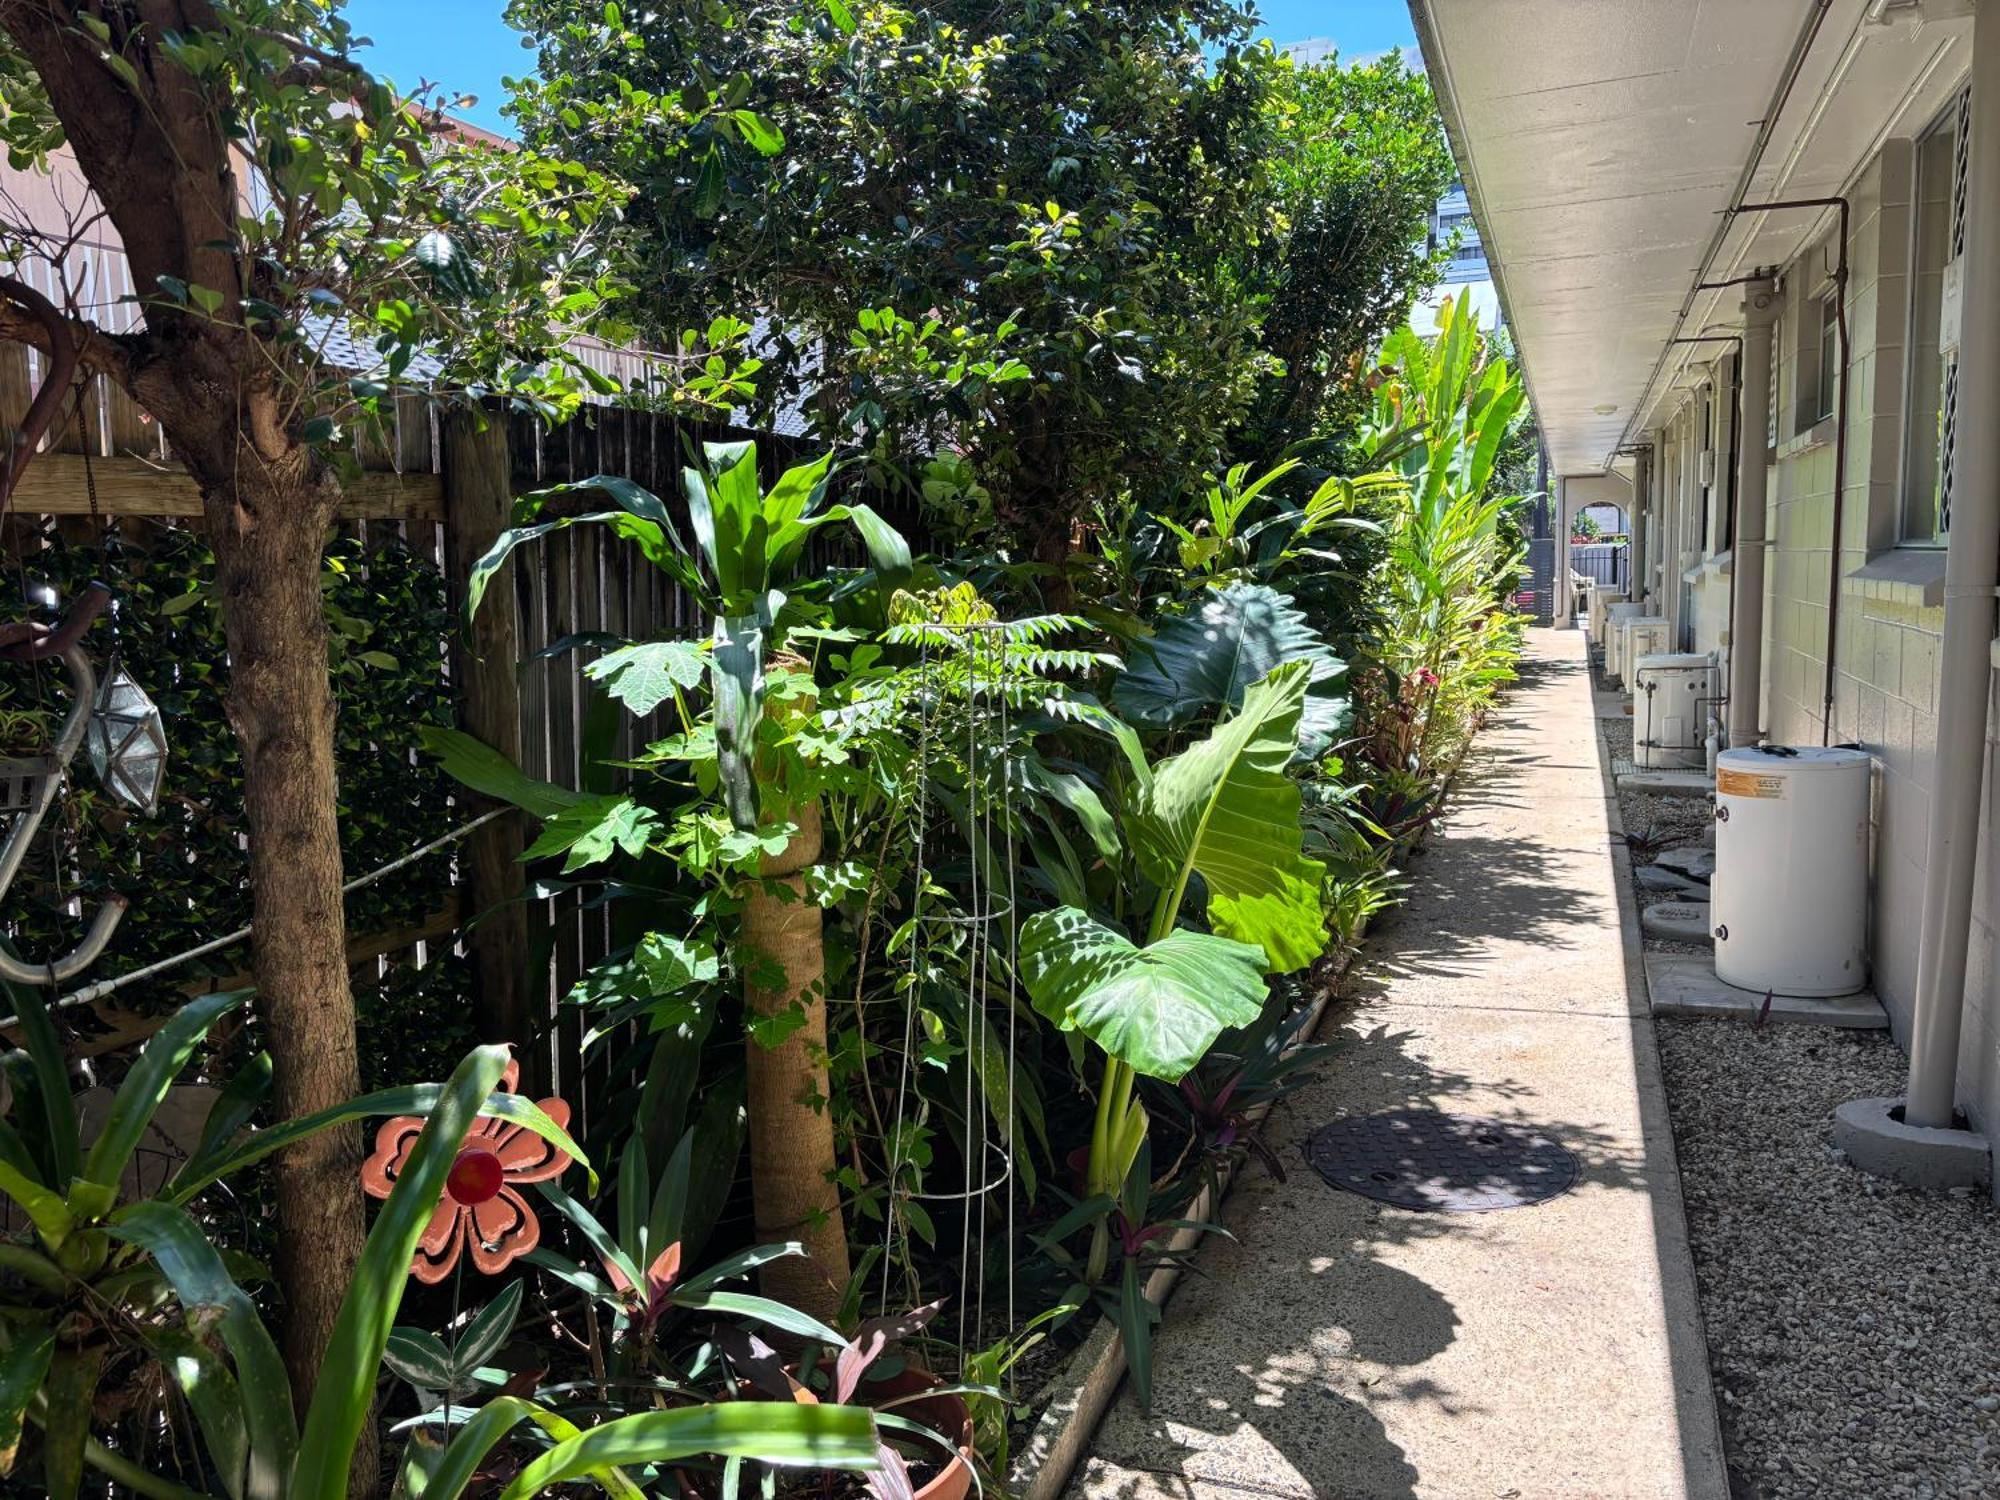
(1593, 537)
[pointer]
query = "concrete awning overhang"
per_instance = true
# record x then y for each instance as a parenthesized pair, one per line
(1604, 144)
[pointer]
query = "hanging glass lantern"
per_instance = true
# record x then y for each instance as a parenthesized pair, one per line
(128, 742)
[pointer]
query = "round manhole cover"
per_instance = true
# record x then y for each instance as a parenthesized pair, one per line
(1424, 1159)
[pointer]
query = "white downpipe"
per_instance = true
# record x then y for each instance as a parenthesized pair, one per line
(1565, 600)
(1746, 618)
(1642, 494)
(1964, 665)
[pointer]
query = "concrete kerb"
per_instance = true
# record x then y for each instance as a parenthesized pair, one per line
(1703, 1464)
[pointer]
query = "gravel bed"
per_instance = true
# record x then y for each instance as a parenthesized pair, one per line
(1853, 1324)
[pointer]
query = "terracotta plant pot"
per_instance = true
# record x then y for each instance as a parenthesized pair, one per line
(944, 1414)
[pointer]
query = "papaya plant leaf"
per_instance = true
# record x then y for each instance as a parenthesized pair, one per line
(1156, 1009)
(594, 829)
(644, 676)
(1225, 808)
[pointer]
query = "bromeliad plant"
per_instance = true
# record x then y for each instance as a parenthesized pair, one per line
(99, 1285)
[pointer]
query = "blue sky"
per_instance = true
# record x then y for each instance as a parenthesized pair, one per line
(464, 45)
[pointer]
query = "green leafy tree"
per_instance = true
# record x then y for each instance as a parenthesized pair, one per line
(270, 193)
(1358, 160)
(1054, 192)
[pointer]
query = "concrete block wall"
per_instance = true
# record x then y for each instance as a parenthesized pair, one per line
(1890, 616)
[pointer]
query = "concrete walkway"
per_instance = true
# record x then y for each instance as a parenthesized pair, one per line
(1342, 1350)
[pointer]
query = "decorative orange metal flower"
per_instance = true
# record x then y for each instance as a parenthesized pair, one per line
(480, 1209)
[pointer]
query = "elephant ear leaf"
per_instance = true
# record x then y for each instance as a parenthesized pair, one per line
(1225, 809)
(1157, 1009)
(1209, 656)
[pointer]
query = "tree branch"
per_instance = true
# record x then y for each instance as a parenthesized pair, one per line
(27, 317)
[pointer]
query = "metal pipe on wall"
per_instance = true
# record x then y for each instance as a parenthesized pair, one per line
(1965, 672)
(1746, 583)
(1635, 543)
(1839, 443)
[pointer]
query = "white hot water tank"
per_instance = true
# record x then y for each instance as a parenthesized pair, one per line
(1672, 695)
(1616, 616)
(1790, 891)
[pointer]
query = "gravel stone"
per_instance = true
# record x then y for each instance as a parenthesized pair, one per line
(1853, 1323)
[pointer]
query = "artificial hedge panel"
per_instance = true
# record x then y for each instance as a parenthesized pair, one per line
(185, 868)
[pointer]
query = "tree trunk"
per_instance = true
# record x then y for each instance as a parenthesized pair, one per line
(268, 527)
(792, 1189)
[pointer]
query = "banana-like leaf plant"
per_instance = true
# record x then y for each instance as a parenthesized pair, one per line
(1223, 810)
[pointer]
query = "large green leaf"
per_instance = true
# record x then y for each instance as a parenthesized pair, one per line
(24, 1365)
(772, 1432)
(460, 1464)
(644, 676)
(736, 671)
(486, 770)
(210, 1295)
(654, 542)
(72, 1399)
(730, 525)
(345, 1391)
(1156, 1009)
(1225, 809)
(1208, 656)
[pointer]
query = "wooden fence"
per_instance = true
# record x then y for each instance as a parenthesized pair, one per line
(446, 483)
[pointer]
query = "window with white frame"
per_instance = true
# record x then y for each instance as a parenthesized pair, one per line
(1937, 233)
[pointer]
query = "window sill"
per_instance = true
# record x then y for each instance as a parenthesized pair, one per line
(1816, 436)
(1910, 576)
(1717, 565)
